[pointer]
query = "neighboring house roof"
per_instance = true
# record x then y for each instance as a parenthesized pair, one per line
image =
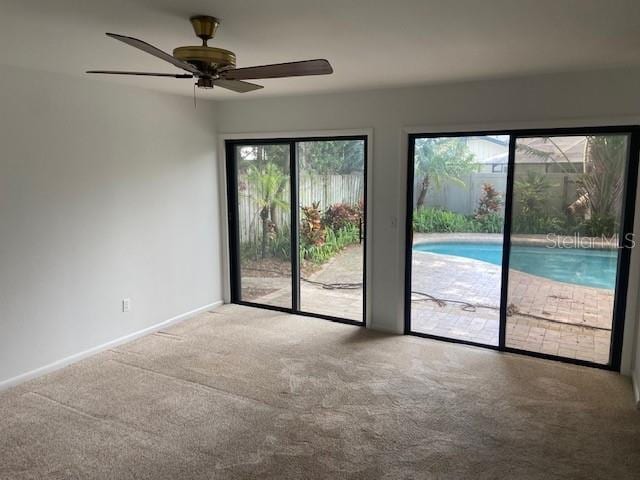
(559, 149)
(497, 139)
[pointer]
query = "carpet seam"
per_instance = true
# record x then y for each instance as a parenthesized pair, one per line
(105, 420)
(217, 390)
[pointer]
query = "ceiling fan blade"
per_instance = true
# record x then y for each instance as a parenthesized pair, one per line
(279, 70)
(145, 74)
(156, 52)
(237, 85)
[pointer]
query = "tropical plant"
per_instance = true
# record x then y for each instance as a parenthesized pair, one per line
(278, 246)
(602, 182)
(532, 193)
(340, 215)
(335, 241)
(312, 228)
(491, 223)
(434, 220)
(267, 182)
(440, 159)
(599, 185)
(540, 224)
(490, 202)
(531, 198)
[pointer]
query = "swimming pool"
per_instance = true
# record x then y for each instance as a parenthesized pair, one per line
(592, 268)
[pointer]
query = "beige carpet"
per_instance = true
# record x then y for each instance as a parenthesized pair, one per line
(243, 393)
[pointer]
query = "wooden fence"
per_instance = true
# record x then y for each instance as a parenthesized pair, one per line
(325, 189)
(464, 198)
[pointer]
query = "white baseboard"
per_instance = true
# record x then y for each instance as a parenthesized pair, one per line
(58, 364)
(635, 381)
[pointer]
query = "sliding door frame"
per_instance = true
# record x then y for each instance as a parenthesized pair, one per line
(234, 231)
(624, 254)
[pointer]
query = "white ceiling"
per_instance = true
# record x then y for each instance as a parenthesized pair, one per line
(370, 43)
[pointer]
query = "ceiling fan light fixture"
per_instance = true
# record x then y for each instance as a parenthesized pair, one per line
(205, 82)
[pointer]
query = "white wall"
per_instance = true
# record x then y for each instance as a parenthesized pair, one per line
(109, 192)
(106, 192)
(596, 98)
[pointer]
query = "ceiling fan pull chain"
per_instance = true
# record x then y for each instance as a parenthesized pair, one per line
(195, 106)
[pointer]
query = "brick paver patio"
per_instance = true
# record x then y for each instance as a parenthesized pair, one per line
(462, 302)
(345, 269)
(545, 316)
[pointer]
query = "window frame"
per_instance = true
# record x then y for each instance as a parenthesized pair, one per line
(626, 228)
(233, 224)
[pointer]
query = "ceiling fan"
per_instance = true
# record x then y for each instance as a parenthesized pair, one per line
(213, 66)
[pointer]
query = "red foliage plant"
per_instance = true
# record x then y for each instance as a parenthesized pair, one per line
(340, 215)
(490, 202)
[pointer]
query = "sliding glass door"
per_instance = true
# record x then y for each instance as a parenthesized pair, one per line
(459, 183)
(297, 213)
(331, 195)
(520, 240)
(568, 196)
(263, 208)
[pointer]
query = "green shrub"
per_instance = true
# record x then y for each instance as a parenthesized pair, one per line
(490, 223)
(278, 246)
(534, 223)
(532, 214)
(335, 241)
(600, 226)
(432, 220)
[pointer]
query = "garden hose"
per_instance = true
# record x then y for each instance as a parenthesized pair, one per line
(326, 286)
(511, 310)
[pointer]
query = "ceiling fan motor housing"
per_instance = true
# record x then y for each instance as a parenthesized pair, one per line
(207, 59)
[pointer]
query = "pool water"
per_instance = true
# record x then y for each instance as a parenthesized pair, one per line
(588, 267)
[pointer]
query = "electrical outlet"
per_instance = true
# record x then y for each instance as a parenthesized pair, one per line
(126, 305)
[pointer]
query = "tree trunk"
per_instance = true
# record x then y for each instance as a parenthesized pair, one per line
(264, 215)
(272, 215)
(273, 208)
(422, 197)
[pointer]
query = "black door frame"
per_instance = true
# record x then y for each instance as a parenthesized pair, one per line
(234, 231)
(626, 227)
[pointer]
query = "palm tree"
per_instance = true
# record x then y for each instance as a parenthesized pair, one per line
(267, 184)
(600, 185)
(438, 160)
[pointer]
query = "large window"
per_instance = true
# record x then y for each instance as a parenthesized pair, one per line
(530, 258)
(309, 259)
